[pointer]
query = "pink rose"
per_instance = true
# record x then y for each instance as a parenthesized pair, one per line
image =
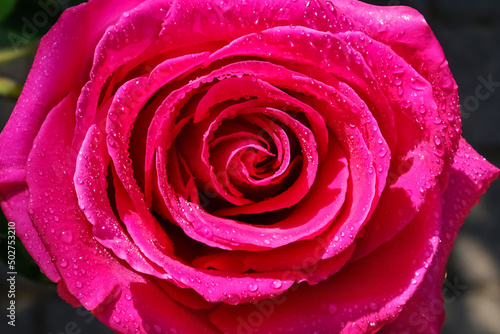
(242, 166)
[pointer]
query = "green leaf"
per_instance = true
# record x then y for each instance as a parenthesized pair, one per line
(8, 54)
(9, 88)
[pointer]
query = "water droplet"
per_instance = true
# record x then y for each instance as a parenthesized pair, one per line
(67, 237)
(233, 299)
(64, 263)
(330, 6)
(116, 319)
(205, 232)
(79, 284)
(252, 287)
(438, 153)
(419, 85)
(332, 309)
(111, 142)
(398, 71)
(276, 284)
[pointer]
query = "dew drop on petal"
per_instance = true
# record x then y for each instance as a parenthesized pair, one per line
(233, 299)
(67, 237)
(332, 309)
(276, 284)
(330, 6)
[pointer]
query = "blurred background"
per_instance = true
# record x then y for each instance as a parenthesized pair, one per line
(469, 33)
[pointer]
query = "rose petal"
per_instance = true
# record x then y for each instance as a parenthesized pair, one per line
(140, 305)
(419, 155)
(300, 186)
(315, 209)
(120, 44)
(413, 40)
(90, 184)
(89, 272)
(120, 120)
(61, 64)
(361, 297)
(424, 311)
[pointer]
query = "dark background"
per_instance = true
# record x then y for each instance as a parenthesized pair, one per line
(469, 33)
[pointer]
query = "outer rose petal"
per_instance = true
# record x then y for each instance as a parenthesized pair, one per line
(89, 271)
(61, 64)
(142, 306)
(360, 298)
(407, 33)
(424, 312)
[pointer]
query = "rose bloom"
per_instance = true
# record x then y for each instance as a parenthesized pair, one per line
(242, 166)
